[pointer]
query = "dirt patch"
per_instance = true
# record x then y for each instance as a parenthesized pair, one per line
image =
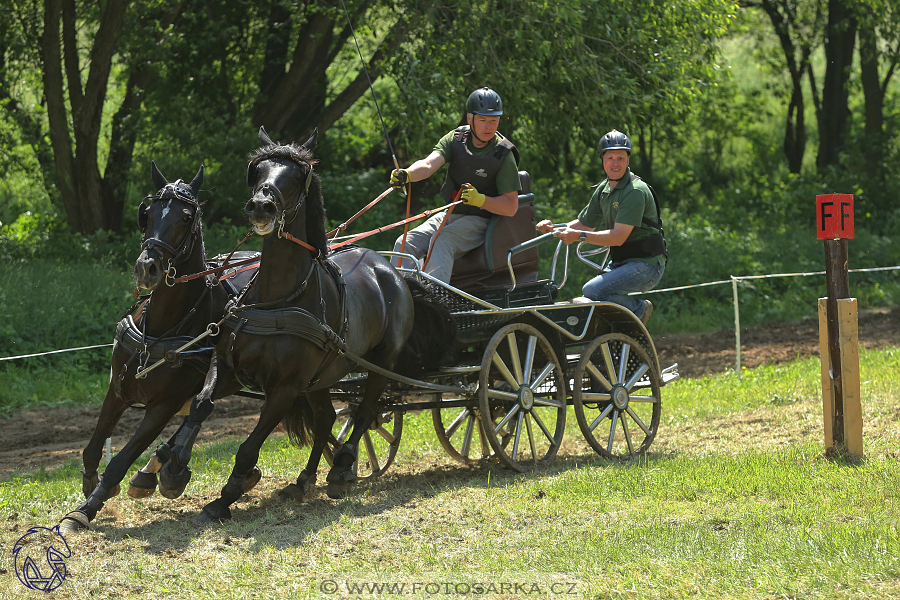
(47, 437)
(772, 343)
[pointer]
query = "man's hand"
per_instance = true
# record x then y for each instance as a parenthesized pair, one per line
(471, 196)
(567, 234)
(399, 177)
(545, 226)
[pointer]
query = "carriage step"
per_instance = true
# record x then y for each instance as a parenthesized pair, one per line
(670, 374)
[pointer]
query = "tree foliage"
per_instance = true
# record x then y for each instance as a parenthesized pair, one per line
(568, 71)
(90, 90)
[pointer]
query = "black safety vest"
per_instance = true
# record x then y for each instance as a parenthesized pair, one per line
(480, 171)
(648, 247)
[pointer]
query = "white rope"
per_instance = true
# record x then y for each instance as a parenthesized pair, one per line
(673, 289)
(772, 275)
(54, 352)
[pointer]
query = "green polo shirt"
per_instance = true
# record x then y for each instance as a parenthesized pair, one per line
(628, 203)
(507, 177)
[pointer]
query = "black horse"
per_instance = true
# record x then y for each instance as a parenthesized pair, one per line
(173, 315)
(288, 335)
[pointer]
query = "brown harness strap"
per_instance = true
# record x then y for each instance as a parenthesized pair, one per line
(434, 237)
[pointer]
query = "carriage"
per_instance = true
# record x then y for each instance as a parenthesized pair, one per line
(301, 327)
(520, 359)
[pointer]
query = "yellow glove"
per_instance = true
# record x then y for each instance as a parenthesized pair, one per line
(399, 177)
(471, 196)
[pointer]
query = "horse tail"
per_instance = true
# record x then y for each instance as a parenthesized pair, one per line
(434, 332)
(298, 422)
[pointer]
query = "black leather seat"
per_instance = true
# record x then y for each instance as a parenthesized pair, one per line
(485, 267)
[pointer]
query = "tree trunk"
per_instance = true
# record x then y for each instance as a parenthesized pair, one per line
(124, 133)
(294, 101)
(834, 118)
(795, 127)
(795, 120)
(56, 114)
(83, 191)
(874, 100)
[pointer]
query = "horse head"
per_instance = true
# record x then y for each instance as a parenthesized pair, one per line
(170, 220)
(285, 187)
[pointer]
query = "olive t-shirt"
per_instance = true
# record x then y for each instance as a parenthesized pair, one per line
(628, 203)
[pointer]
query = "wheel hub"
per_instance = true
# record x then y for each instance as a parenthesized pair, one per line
(526, 397)
(620, 397)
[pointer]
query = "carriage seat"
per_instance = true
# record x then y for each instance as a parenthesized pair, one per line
(485, 267)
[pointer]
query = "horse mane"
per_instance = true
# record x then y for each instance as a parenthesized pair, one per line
(316, 232)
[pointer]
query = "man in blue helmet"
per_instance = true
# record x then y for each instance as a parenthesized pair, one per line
(482, 173)
(624, 215)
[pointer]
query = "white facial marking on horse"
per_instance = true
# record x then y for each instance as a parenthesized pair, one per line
(166, 209)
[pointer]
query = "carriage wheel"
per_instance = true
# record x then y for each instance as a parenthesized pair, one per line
(460, 432)
(617, 403)
(378, 445)
(522, 396)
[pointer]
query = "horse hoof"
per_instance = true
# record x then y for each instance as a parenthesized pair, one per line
(202, 519)
(73, 522)
(293, 492)
(213, 512)
(252, 479)
(338, 491)
(142, 485)
(173, 482)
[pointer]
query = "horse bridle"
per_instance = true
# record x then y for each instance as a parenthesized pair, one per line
(288, 153)
(172, 191)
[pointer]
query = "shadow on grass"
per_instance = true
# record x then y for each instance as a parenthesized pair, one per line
(169, 528)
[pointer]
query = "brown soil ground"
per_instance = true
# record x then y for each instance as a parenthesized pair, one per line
(48, 437)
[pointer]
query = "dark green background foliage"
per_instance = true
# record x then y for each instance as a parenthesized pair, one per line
(724, 108)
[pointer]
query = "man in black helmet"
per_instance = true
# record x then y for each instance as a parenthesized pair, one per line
(623, 215)
(483, 174)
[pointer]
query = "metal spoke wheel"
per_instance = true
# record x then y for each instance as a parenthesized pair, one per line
(617, 403)
(522, 396)
(378, 445)
(460, 432)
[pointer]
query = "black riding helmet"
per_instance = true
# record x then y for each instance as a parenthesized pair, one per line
(614, 140)
(485, 102)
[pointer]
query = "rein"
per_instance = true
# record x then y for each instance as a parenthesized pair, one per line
(252, 262)
(366, 234)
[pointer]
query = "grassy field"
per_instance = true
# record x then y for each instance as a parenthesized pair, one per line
(735, 500)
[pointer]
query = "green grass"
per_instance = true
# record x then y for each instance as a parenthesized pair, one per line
(735, 500)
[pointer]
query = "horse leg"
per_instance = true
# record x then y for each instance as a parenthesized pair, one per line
(143, 482)
(323, 419)
(175, 473)
(341, 477)
(276, 407)
(112, 410)
(154, 421)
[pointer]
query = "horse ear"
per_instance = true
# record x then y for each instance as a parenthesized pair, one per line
(197, 183)
(158, 179)
(313, 140)
(264, 137)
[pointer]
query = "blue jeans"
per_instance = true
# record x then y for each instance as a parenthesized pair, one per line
(616, 281)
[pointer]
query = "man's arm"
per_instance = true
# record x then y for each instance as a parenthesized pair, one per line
(425, 168)
(607, 237)
(546, 226)
(505, 204)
